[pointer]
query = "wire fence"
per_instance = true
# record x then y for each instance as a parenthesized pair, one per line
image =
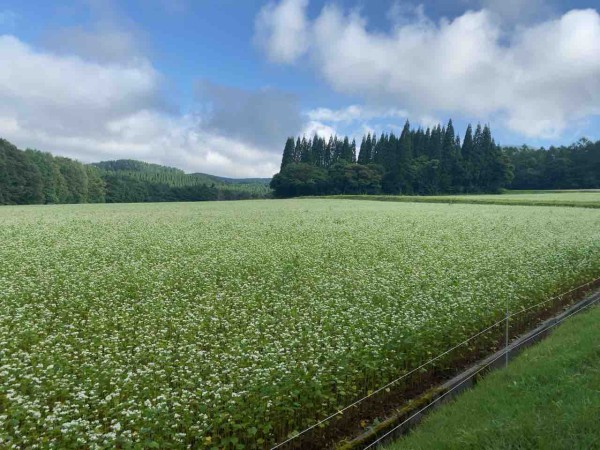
(432, 360)
(489, 363)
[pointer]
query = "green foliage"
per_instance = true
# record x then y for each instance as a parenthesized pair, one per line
(354, 178)
(137, 181)
(31, 176)
(300, 179)
(217, 325)
(288, 152)
(75, 175)
(578, 199)
(549, 398)
(574, 167)
(20, 178)
(432, 161)
(418, 162)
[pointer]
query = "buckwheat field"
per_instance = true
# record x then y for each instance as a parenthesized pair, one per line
(232, 325)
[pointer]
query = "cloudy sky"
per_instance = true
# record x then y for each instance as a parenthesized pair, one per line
(216, 86)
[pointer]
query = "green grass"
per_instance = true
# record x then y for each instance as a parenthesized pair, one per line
(582, 199)
(548, 398)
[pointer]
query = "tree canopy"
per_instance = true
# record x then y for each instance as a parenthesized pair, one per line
(35, 177)
(418, 161)
(430, 161)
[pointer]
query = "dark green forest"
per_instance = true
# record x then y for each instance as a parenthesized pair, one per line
(574, 167)
(35, 177)
(431, 161)
(418, 162)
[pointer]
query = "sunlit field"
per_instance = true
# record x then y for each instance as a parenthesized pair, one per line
(234, 324)
(583, 199)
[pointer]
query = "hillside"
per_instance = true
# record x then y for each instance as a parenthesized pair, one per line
(35, 177)
(170, 175)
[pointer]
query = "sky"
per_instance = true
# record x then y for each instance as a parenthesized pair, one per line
(217, 86)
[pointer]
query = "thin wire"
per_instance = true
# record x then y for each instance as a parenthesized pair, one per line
(326, 419)
(425, 407)
(478, 370)
(553, 298)
(387, 385)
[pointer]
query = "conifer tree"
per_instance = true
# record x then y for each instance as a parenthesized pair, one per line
(467, 158)
(298, 150)
(418, 161)
(329, 150)
(477, 159)
(362, 157)
(405, 155)
(317, 151)
(288, 152)
(305, 151)
(369, 149)
(446, 161)
(346, 153)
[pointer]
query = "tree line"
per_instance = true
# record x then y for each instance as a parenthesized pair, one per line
(35, 177)
(417, 161)
(426, 162)
(576, 166)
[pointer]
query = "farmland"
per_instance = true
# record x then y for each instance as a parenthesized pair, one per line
(582, 199)
(232, 325)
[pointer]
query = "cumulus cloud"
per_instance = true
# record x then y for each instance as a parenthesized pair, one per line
(281, 30)
(537, 79)
(91, 111)
(321, 129)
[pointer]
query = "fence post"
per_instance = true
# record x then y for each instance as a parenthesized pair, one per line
(506, 337)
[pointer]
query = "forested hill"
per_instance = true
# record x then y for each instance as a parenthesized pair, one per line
(431, 161)
(170, 175)
(35, 177)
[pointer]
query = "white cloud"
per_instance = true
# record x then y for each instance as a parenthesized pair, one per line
(281, 30)
(319, 128)
(92, 111)
(536, 79)
(353, 113)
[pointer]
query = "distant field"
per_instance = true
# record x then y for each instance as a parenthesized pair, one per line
(548, 398)
(234, 324)
(583, 199)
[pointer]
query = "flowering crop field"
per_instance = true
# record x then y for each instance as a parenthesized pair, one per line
(586, 199)
(234, 324)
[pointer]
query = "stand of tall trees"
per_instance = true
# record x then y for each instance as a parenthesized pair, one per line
(418, 161)
(30, 177)
(574, 167)
(34, 177)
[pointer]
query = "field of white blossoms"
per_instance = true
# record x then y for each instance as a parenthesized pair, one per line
(230, 325)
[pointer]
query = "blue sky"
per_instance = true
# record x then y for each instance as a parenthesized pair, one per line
(216, 86)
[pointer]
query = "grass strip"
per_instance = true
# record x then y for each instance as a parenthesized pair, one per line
(549, 397)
